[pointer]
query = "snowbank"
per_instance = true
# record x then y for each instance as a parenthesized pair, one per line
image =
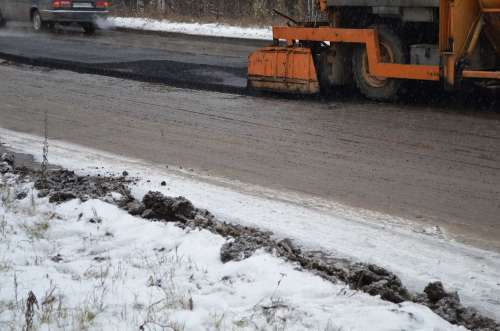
(92, 266)
(212, 29)
(417, 256)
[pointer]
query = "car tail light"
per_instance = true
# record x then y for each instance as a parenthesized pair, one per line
(102, 4)
(61, 4)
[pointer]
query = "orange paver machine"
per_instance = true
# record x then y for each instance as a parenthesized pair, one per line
(377, 44)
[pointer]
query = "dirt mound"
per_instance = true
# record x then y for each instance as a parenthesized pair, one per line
(246, 240)
(62, 185)
(172, 209)
(239, 249)
(369, 278)
(378, 281)
(448, 306)
(6, 162)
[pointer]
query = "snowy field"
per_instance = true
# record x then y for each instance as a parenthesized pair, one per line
(252, 294)
(207, 29)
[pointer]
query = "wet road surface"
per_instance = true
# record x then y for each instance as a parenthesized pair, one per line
(198, 62)
(432, 165)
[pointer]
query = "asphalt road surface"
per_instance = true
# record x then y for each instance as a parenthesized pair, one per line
(203, 62)
(432, 165)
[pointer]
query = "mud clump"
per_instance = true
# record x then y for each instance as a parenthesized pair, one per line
(58, 197)
(157, 206)
(448, 306)
(5, 168)
(375, 280)
(6, 162)
(7, 158)
(21, 195)
(240, 249)
(326, 266)
(135, 208)
(64, 185)
(435, 292)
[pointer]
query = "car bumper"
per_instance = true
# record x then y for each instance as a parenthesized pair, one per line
(73, 15)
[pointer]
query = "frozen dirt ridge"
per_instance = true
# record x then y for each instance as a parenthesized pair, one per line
(84, 264)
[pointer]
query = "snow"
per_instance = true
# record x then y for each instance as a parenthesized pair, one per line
(200, 29)
(418, 256)
(124, 272)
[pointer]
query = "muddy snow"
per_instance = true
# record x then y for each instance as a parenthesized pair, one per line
(84, 263)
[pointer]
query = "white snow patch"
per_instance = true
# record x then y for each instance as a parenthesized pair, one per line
(200, 29)
(416, 257)
(125, 272)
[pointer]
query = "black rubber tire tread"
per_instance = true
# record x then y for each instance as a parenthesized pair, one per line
(42, 25)
(2, 20)
(391, 89)
(89, 28)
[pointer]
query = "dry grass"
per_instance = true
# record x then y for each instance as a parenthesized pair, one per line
(238, 12)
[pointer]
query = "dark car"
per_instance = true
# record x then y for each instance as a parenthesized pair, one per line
(45, 13)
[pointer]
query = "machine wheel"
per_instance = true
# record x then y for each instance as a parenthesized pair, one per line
(89, 28)
(391, 50)
(36, 21)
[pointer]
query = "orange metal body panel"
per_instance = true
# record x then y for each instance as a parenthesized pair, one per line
(361, 36)
(481, 74)
(458, 21)
(322, 4)
(489, 4)
(283, 62)
(448, 58)
(284, 69)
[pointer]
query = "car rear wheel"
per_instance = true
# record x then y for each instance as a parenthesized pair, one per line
(89, 28)
(2, 20)
(36, 21)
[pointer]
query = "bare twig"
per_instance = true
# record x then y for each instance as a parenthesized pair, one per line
(30, 311)
(45, 156)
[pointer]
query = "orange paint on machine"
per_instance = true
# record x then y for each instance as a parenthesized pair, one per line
(361, 42)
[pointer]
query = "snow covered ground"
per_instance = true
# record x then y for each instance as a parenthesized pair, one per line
(206, 29)
(93, 266)
(417, 255)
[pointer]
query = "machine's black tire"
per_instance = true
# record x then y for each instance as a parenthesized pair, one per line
(324, 71)
(2, 20)
(36, 21)
(373, 87)
(88, 28)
